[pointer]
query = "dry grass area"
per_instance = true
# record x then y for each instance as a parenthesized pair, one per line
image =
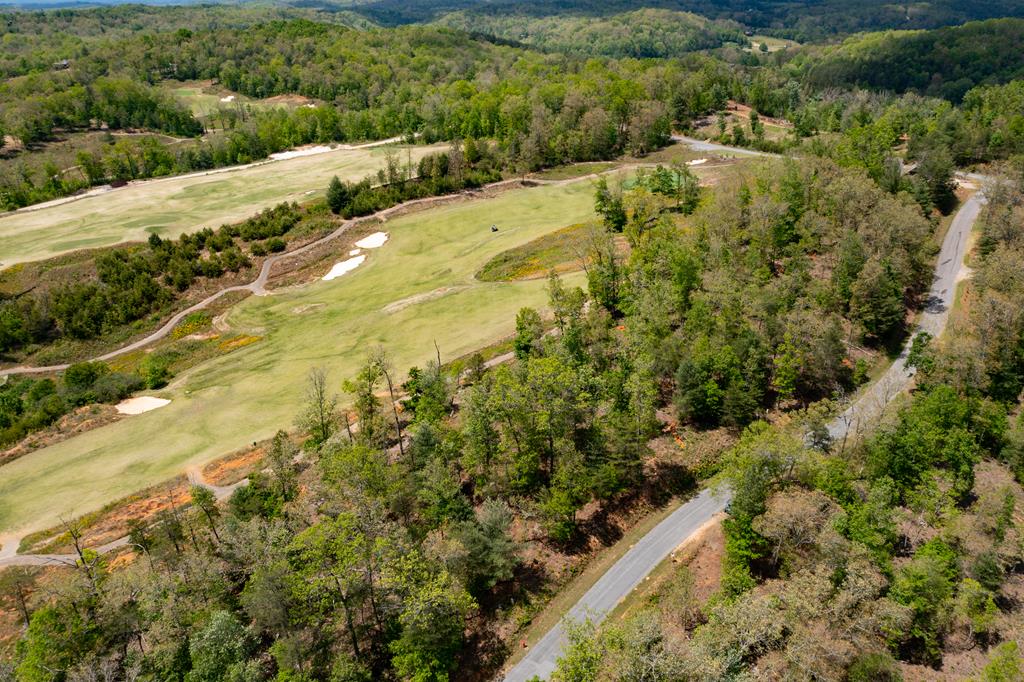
(236, 466)
(701, 556)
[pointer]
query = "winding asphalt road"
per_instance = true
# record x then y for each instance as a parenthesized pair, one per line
(652, 549)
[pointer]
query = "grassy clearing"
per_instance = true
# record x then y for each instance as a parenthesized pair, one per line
(173, 206)
(232, 400)
(558, 251)
(773, 44)
(575, 170)
(205, 99)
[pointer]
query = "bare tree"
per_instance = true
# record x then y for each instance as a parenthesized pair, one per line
(15, 584)
(380, 358)
(318, 418)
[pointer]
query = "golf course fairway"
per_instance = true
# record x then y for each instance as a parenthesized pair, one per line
(173, 206)
(416, 289)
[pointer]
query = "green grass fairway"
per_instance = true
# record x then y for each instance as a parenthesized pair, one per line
(172, 206)
(423, 276)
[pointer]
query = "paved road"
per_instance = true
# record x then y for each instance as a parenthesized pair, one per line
(872, 403)
(620, 580)
(646, 554)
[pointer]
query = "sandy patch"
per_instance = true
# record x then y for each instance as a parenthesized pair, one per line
(299, 310)
(229, 98)
(343, 267)
(355, 252)
(696, 162)
(373, 241)
(964, 273)
(419, 298)
(141, 404)
(295, 153)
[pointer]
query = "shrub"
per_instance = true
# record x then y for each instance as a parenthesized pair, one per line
(116, 386)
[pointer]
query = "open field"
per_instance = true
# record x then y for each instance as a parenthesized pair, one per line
(773, 44)
(231, 401)
(204, 98)
(176, 205)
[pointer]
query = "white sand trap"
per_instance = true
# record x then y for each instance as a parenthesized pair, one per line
(374, 241)
(355, 252)
(296, 153)
(696, 162)
(229, 98)
(141, 404)
(344, 266)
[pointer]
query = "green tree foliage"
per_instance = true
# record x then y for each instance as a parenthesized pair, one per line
(876, 301)
(945, 62)
(939, 430)
(219, 650)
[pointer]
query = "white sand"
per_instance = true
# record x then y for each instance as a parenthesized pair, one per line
(295, 153)
(355, 252)
(696, 162)
(375, 240)
(341, 268)
(141, 404)
(229, 98)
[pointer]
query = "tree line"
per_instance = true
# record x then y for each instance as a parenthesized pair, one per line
(541, 109)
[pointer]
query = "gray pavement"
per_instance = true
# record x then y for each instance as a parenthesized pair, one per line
(620, 580)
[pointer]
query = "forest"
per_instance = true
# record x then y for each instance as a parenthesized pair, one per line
(841, 562)
(809, 21)
(543, 109)
(946, 62)
(642, 34)
(397, 528)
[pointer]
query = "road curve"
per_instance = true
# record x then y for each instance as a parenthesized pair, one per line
(652, 549)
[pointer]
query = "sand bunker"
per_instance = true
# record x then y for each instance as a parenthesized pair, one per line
(696, 162)
(296, 153)
(374, 241)
(355, 252)
(141, 404)
(229, 98)
(344, 266)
